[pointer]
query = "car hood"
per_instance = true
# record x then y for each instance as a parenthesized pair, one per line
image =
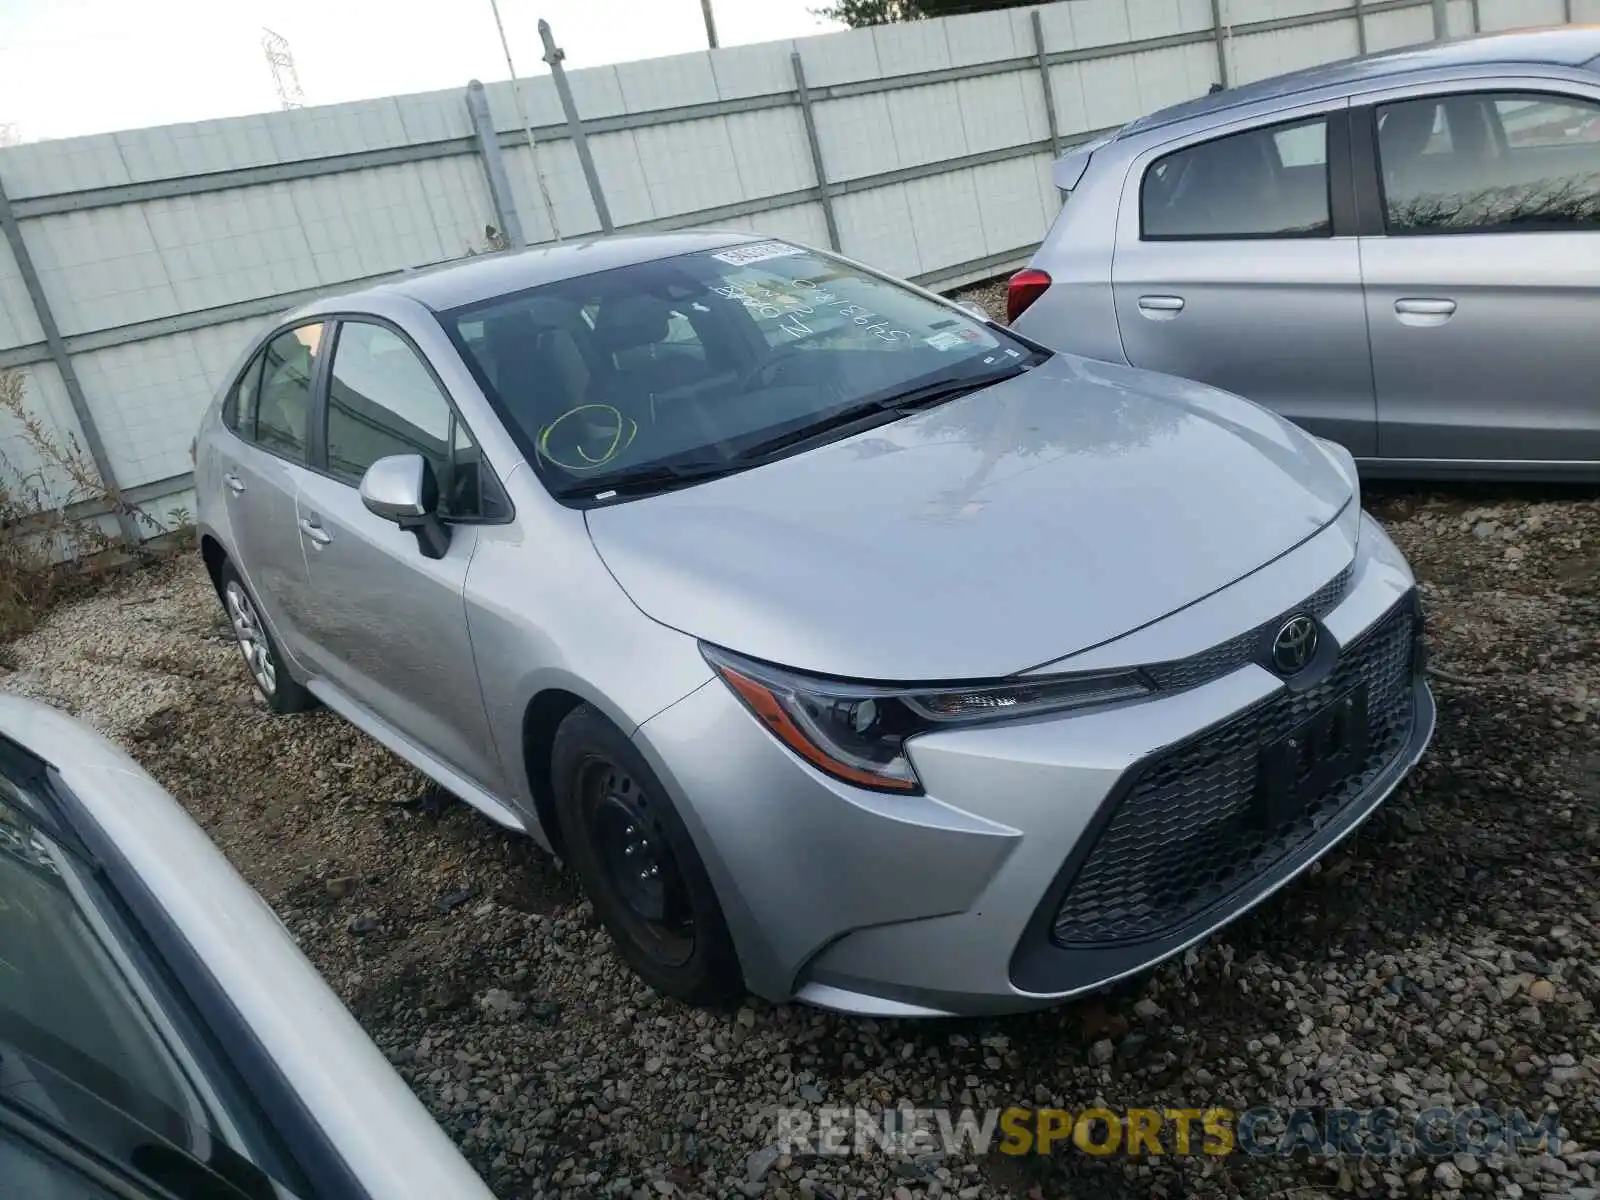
(1011, 527)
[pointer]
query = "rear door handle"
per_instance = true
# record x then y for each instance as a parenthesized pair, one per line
(315, 532)
(1160, 308)
(235, 484)
(1424, 310)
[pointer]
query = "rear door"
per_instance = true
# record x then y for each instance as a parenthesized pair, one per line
(389, 625)
(262, 469)
(1481, 257)
(1236, 265)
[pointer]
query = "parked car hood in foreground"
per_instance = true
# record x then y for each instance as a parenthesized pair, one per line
(1006, 529)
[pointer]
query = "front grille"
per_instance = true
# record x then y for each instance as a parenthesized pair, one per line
(1234, 653)
(1185, 837)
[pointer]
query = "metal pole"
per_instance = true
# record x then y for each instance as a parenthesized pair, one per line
(1441, 20)
(1477, 20)
(711, 23)
(1044, 78)
(553, 55)
(1222, 50)
(494, 166)
(527, 128)
(1361, 29)
(823, 187)
(1566, 11)
(128, 527)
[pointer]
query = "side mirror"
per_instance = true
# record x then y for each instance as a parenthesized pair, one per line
(403, 489)
(973, 308)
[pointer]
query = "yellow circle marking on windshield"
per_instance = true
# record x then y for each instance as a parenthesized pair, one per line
(619, 443)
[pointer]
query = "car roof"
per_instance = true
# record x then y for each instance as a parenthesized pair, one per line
(483, 278)
(1566, 46)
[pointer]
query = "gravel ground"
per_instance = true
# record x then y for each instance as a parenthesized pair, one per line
(1450, 952)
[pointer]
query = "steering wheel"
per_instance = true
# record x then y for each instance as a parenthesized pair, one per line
(587, 437)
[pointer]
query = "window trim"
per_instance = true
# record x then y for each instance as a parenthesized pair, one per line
(257, 362)
(1371, 196)
(317, 461)
(1339, 193)
(180, 974)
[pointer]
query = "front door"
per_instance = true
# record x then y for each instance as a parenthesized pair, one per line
(388, 625)
(1483, 282)
(1234, 266)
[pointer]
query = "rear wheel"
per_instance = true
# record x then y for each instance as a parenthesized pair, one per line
(638, 864)
(260, 652)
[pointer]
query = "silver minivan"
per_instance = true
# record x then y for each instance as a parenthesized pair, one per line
(1399, 252)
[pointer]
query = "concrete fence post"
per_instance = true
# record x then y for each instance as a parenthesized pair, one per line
(494, 167)
(1219, 38)
(1477, 18)
(1566, 11)
(553, 55)
(824, 188)
(1441, 20)
(1044, 78)
(57, 348)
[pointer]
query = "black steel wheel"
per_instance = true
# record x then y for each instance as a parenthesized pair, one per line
(638, 863)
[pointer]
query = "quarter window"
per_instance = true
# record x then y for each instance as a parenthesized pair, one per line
(1490, 162)
(289, 366)
(1264, 183)
(383, 400)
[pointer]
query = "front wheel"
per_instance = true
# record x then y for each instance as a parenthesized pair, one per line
(639, 865)
(260, 652)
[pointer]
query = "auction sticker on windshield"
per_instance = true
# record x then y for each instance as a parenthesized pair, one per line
(756, 252)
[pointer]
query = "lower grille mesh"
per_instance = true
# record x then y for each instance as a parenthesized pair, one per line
(1183, 839)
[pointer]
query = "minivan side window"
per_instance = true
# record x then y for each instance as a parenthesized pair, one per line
(383, 400)
(1490, 162)
(1262, 183)
(282, 405)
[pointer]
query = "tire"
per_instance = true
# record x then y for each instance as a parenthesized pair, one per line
(262, 661)
(655, 900)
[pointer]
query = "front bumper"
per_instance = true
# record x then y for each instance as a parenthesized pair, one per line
(951, 902)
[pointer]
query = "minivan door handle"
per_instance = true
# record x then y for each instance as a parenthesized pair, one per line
(314, 531)
(1160, 308)
(1424, 310)
(235, 484)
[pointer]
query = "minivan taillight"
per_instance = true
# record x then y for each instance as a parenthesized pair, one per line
(1026, 286)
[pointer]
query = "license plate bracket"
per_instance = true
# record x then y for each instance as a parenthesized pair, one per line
(1311, 758)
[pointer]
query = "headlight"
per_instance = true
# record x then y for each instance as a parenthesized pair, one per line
(857, 732)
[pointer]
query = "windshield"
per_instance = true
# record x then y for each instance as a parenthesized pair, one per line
(705, 362)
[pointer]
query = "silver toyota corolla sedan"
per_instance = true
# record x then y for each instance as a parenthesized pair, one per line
(850, 647)
(161, 1035)
(1399, 252)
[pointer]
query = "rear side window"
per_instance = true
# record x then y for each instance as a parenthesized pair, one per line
(1264, 183)
(1490, 162)
(283, 402)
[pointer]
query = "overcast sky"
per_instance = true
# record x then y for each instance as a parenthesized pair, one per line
(70, 67)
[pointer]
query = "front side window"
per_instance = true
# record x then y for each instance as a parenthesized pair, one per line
(1262, 183)
(711, 360)
(289, 368)
(382, 400)
(1490, 162)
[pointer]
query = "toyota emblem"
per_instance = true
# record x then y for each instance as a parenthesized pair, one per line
(1294, 645)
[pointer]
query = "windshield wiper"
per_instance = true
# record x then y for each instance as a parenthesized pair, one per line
(658, 477)
(876, 410)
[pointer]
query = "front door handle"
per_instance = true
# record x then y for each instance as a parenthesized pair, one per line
(315, 532)
(1160, 308)
(1424, 310)
(235, 484)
